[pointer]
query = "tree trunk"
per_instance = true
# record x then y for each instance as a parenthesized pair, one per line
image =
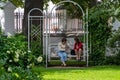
(30, 4)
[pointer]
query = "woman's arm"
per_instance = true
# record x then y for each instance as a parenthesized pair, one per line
(61, 47)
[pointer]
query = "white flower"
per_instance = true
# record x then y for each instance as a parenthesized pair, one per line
(39, 59)
(31, 65)
(10, 60)
(28, 66)
(8, 52)
(9, 35)
(2, 68)
(29, 51)
(28, 60)
(9, 69)
(16, 55)
(23, 53)
(16, 59)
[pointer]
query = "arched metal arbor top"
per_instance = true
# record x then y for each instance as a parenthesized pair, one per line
(69, 2)
(34, 10)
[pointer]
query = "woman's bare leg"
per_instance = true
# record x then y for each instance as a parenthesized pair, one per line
(79, 54)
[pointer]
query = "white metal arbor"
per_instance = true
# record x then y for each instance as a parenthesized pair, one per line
(60, 24)
(35, 31)
(55, 25)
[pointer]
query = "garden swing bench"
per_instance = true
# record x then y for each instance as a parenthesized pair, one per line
(63, 25)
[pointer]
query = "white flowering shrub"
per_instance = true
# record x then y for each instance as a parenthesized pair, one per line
(14, 53)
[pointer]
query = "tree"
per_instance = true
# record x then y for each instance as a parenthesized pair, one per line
(99, 31)
(29, 4)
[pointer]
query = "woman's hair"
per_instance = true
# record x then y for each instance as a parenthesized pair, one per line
(64, 39)
(76, 39)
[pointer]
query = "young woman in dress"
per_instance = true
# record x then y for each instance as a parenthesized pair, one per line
(78, 48)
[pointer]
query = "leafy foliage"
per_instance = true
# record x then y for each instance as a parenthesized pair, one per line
(18, 2)
(99, 32)
(13, 51)
(19, 73)
(115, 39)
(114, 45)
(36, 42)
(15, 60)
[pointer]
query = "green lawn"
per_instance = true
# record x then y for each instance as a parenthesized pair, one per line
(88, 73)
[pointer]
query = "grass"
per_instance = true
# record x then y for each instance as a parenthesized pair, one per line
(86, 73)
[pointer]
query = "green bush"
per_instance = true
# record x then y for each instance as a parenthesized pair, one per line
(99, 32)
(19, 73)
(110, 60)
(14, 52)
(16, 60)
(113, 60)
(114, 42)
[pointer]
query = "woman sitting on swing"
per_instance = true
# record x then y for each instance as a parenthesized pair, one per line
(78, 48)
(63, 46)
